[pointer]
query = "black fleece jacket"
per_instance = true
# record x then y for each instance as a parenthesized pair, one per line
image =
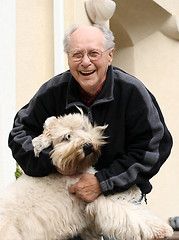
(138, 139)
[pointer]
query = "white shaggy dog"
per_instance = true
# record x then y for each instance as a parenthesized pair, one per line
(43, 209)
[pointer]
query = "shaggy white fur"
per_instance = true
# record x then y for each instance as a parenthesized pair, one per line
(43, 209)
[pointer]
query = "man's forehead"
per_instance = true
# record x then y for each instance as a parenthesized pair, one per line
(86, 35)
(87, 30)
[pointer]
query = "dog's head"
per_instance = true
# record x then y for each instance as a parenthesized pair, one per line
(76, 143)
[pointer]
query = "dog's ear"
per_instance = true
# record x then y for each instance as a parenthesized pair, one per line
(45, 139)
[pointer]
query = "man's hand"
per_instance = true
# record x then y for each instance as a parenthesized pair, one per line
(87, 188)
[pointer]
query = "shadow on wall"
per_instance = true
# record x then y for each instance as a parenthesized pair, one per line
(135, 20)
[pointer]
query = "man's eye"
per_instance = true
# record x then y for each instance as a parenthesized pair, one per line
(93, 54)
(77, 55)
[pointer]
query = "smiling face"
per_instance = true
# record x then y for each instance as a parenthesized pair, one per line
(89, 74)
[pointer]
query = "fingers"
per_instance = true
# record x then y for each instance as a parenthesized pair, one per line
(77, 187)
(87, 188)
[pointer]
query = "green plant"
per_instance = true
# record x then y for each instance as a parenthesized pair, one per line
(18, 172)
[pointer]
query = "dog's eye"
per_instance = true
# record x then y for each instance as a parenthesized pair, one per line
(66, 137)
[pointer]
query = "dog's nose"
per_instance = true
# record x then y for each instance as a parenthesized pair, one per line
(88, 148)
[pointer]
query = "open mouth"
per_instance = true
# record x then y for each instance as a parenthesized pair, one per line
(87, 73)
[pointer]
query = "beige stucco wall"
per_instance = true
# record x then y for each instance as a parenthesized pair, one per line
(153, 58)
(74, 13)
(34, 47)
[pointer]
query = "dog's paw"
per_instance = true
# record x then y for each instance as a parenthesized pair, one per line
(39, 143)
(164, 232)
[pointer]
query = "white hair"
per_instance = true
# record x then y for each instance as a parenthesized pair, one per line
(108, 36)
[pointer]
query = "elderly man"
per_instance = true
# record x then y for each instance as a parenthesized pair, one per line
(138, 139)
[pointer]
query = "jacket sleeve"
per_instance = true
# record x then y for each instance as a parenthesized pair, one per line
(147, 146)
(28, 123)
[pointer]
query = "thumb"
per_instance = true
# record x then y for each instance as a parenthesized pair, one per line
(71, 189)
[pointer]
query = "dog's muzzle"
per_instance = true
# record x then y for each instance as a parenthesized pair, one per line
(88, 149)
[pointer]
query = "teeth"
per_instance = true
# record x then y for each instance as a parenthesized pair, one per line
(86, 72)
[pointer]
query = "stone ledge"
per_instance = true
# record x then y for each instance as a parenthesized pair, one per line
(175, 236)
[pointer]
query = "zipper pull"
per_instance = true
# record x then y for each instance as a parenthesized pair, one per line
(90, 116)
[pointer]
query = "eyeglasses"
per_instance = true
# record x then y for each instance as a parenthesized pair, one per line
(93, 55)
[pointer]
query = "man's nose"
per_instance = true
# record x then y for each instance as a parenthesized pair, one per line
(85, 60)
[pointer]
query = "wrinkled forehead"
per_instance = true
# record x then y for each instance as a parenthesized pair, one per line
(86, 38)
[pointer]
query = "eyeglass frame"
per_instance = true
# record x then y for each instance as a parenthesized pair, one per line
(86, 53)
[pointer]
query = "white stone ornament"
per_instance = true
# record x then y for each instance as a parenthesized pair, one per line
(99, 11)
(171, 27)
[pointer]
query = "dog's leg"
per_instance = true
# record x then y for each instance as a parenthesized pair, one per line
(41, 142)
(123, 220)
(45, 139)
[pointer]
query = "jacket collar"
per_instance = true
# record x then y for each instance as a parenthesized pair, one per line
(105, 95)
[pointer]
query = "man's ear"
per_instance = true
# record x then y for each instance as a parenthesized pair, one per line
(111, 53)
(45, 139)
